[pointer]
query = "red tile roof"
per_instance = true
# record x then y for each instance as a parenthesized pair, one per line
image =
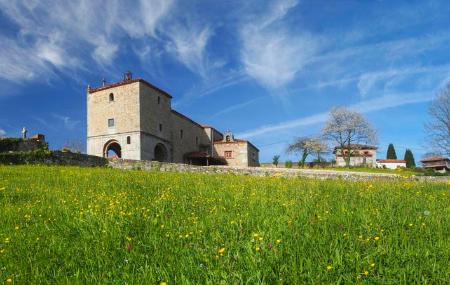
(391, 161)
(434, 158)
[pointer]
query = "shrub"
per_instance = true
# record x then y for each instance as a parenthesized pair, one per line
(288, 164)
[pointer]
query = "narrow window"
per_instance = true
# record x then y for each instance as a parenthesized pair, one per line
(181, 134)
(196, 140)
(128, 139)
(110, 123)
(228, 154)
(160, 127)
(111, 97)
(159, 99)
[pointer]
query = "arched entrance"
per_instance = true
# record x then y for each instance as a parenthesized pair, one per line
(160, 153)
(112, 149)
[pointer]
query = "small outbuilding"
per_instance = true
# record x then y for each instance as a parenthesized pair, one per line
(391, 163)
(437, 163)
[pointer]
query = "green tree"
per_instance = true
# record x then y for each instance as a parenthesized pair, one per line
(391, 152)
(409, 157)
(275, 160)
(288, 164)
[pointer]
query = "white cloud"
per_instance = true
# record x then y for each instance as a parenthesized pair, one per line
(68, 122)
(377, 104)
(188, 44)
(2, 133)
(271, 53)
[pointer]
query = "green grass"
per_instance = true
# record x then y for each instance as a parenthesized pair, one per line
(96, 226)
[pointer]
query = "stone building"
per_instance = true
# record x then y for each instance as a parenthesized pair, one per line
(133, 119)
(361, 155)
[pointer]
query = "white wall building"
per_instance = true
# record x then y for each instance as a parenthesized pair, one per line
(391, 163)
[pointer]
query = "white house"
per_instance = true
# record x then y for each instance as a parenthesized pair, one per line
(391, 163)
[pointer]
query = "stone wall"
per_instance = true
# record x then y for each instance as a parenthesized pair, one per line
(52, 158)
(261, 171)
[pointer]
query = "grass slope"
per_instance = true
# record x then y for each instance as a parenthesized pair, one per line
(97, 226)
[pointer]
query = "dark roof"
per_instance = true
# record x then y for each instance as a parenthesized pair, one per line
(434, 158)
(359, 146)
(186, 118)
(125, 82)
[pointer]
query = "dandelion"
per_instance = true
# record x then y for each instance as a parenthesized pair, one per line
(257, 248)
(16, 228)
(372, 265)
(163, 283)
(221, 251)
(376, 238)
(2, 250)
(278, 241)
(366, 273)
(329, 268)
(410, 225)
(9, 280)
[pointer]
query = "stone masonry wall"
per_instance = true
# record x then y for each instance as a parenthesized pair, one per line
(260, 171)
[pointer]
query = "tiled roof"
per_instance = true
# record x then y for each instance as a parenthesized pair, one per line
(358, 146)
(391, 161)
(434, 158)
(235, 141)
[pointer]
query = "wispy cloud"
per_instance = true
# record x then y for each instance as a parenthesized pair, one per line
(2, 133)
(68, 122)
(377, 104)
(271, 53)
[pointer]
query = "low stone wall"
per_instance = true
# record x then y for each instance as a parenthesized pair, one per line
(52, 158)
(255, 171)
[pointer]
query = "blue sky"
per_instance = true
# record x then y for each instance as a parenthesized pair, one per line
(268, 71)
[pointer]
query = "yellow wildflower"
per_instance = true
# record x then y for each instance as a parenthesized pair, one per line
(163, 283)
(221, 251)
(329, 268)
(16, 228)
(257, 248)
(9, 280)
(278, 241)
(377, 238)
(366, 273)
(372, 265)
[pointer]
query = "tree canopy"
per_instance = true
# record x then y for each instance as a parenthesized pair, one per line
(391, 152)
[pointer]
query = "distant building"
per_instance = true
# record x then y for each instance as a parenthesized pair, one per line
(437, 163)
(360, 155)
(134, 119)
(391, 163)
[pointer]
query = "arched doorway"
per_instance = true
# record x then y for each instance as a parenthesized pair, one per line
(160, 153)
(112, 149)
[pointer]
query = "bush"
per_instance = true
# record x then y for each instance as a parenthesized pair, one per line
(23, 145)
(288, 164)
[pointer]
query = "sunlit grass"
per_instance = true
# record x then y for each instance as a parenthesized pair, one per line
(81, 225)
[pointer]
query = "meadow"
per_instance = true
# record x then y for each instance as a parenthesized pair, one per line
(75, 225)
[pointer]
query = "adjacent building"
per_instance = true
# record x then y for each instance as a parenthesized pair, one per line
(391, 163)
(133, 119)
(360, 155)
(437, 163)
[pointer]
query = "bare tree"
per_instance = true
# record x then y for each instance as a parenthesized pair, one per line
(439, 126)
(74, 145)
(345, 128)
(306, 146)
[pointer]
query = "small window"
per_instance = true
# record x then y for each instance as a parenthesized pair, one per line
(181, 134)
(128, 140)
(159, 99)
(196, 140)
(111, 97)
(227, 138)
(160, 127)
(110, 123)
(228, 153)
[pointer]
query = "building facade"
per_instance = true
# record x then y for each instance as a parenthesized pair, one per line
(360, 155)
(133, 119)
(437, 163)
(391, 163)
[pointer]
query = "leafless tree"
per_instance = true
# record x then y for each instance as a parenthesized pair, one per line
(345, 127)
(306, 146)
(74, 145)
(438, 127)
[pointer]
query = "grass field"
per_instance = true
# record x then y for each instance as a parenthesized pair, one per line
(97, 226)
